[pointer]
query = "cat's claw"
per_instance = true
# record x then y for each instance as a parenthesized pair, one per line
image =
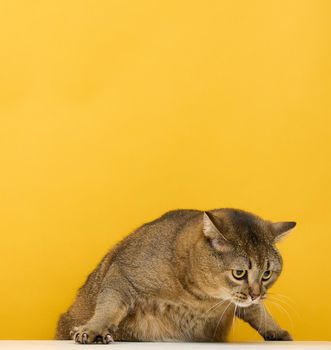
(108, 339)
(82, 338)
(83, 335)
(277, 335)
(85, 338)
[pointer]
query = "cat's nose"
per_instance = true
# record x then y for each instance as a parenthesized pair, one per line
(254, 296)
(254, 291)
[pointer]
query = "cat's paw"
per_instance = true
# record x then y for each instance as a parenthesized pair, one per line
(277, 335)
(86, 335)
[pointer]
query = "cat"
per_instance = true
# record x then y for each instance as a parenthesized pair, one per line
(181, 277)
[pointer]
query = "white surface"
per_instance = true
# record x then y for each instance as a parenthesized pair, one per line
(67, 345)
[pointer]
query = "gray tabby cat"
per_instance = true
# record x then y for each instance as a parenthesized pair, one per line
(182, 277)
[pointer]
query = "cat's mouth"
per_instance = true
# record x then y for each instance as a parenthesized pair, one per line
(244, 300)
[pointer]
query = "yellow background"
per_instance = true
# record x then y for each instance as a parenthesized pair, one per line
(113, 112)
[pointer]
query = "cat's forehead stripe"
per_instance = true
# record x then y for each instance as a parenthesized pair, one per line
(249, 264)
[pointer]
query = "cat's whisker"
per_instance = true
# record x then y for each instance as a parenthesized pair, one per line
(265, 319)
(285, 311)
(234, 313)
(221, 318)
(233, 318)
(287, 300)
(260, 324)
(283, 296)
(273, 297)
(266, 310)
(215, 306)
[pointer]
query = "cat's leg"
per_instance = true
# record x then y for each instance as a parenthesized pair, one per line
(113, 303)
(260, 319)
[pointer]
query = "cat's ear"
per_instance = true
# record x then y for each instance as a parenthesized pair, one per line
(214, 235)
(282, 229)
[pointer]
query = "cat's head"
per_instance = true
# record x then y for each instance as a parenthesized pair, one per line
(245, 261)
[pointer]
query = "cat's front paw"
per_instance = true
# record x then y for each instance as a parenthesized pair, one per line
(86, 335)
(277, 335)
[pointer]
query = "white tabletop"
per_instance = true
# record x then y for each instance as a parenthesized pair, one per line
(67, 345)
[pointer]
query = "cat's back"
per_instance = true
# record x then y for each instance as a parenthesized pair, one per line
(157, 236)
(170, 222)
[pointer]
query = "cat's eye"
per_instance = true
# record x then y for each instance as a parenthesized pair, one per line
(239, 274)
(266, 275)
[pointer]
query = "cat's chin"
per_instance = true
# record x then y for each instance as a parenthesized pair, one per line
(246, 303)
(241, 304)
